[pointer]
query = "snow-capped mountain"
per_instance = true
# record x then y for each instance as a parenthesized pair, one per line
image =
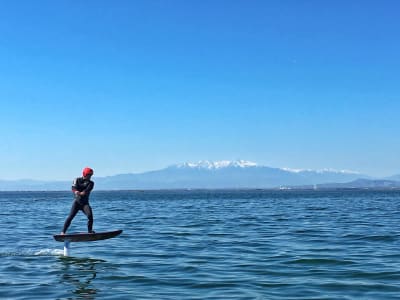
(206, 175)
(326, 170)
(210, 165)
(224, 174)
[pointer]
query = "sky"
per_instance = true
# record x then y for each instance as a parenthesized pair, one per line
(133, 86)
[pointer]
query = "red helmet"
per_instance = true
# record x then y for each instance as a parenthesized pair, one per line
(87, 171)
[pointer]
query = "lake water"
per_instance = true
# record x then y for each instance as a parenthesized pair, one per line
(204, 245)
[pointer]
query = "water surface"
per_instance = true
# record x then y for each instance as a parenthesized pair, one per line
(204, 245)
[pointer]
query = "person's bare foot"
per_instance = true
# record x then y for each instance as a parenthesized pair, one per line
(62, 233)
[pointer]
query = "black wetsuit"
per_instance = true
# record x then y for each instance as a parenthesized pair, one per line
(81, 184)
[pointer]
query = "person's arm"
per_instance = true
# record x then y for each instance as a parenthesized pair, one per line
(88, 189)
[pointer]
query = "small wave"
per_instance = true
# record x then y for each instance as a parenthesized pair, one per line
(379, 238)
(42, 252)
(3, 254)
(320, 261)
(49, 252)
(317, 208)
(373, 238)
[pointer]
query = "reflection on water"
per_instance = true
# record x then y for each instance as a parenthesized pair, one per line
(80, 274)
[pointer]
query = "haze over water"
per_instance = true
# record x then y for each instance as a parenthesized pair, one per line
(205, 245)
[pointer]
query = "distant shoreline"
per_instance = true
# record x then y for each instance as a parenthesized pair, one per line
(282, 190)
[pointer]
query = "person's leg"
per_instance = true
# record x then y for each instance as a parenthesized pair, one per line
(74, 210)
(88, 212)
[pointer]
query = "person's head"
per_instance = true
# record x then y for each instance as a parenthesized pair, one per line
(87, 172)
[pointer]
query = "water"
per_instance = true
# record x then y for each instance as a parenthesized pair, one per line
(205, 245)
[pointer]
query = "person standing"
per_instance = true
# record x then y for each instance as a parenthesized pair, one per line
(81, 187)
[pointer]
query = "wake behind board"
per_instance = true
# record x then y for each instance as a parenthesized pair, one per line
(86, 237)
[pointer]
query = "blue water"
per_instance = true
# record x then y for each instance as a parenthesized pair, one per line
(205, 245)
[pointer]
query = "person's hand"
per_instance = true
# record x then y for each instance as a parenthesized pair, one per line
(80, 193)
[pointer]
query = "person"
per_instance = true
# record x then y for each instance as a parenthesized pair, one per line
(81, 187)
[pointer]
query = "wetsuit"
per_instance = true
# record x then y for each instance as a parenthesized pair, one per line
(81, 184)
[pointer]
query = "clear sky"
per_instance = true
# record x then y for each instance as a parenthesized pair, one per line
(132, 86)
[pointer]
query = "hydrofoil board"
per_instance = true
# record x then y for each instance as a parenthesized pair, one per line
(86, 237)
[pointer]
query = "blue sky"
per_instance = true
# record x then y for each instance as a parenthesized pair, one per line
(131, 86)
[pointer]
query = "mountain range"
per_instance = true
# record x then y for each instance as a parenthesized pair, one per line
(217, 175)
